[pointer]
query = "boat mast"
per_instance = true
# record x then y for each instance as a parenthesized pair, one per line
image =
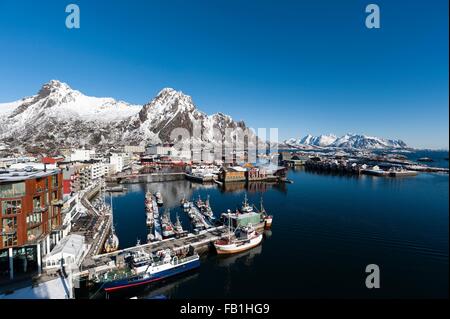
(262, 207)
(112, 213)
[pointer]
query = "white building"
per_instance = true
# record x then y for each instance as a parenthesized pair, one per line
(69, 251)
(82, 155)
(134, 149)
(116, 161)
(99, 170)
(161, 149)
(32, 166)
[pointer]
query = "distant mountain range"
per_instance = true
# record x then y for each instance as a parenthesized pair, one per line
(60, 117)
(356, 141)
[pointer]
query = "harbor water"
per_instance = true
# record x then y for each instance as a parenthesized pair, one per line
(326, 230)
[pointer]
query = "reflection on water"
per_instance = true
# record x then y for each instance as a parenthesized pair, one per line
(245, 257)
(326, 229)
(169, 288)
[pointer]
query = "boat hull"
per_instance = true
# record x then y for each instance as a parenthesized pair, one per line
(137, 281)
(237, 248)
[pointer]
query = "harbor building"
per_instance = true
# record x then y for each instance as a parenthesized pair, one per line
(82, 155)
(232, 174)
(69, 251)
(30, 218)
(134, 149)
(117, 163)
(161, 149)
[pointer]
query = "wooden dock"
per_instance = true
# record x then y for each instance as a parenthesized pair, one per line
(200, 243)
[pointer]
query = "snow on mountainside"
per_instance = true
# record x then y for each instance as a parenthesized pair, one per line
(56, 99)
(58, 116)
(346, 141)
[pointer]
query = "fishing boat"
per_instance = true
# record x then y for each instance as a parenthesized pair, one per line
(144, 268)
(166, 225)
(178, 226)
(204, 207)
(150, 211)
(159, 198)
(185, 203)
(206, 210)
(112, 242)
(267, 218)
(156, 222)
(246, 207)
(244, 238)
(199, 203)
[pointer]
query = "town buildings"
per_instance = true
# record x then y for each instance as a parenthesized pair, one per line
(30, 217)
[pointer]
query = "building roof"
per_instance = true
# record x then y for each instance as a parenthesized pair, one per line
(69, 245)
(17, 175)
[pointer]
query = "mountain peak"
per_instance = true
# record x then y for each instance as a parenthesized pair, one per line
(349, 140)
(54, 86)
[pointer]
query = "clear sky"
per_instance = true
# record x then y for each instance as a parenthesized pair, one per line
(302, 66)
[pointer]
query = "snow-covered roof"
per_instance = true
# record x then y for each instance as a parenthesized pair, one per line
(15, 175)
(69, 245)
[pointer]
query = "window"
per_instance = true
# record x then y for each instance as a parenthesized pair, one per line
(9, 225)
(12, 190)
(36, 202)
(9, 240)
(11, 207)
(9, 231)
(33, 219)
(34, 233)
(55, 181)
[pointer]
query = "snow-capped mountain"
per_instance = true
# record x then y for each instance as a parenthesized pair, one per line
(347, 141)
(59, 117)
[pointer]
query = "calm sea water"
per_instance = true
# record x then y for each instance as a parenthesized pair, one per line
(326, 229)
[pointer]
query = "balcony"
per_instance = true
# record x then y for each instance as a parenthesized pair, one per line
(8, 231)
(57, 202)
(40, 209)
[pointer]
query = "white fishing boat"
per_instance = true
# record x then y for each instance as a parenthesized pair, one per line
(112, 242)
(178, 226)
(159, 198)
(150, 211)
(246, 207)
(166, 225)
(156, 224)
(266, 217)
(243, 239)
(204, 207)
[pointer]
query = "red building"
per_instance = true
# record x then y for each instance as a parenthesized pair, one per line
(30, 214)
(52, 160)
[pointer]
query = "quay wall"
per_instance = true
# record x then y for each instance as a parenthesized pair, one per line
(152, 178)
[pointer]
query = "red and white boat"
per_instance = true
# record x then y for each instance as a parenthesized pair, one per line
(267, 218)
(246, 238)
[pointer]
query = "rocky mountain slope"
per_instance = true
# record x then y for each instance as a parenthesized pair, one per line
(357, 141)
(60, 117)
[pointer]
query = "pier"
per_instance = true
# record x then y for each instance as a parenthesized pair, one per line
(202, 218)
(200, 243)
(149, 178)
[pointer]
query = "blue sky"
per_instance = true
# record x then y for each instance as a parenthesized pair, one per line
(302, 66)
